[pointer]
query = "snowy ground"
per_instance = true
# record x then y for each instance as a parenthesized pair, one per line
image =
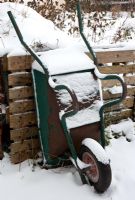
(21, 182)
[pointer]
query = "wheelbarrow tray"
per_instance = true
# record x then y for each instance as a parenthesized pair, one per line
(51, 133)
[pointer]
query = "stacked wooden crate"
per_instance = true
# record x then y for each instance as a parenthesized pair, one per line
(118, 62)
(22, 115)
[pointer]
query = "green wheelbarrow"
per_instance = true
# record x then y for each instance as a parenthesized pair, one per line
(70, 119)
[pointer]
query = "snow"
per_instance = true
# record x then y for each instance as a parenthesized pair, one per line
(65, 60)
(86, 89)
(36, 30)
(83, 117)
(125, 127)
(99, 75)
(81, 164)
(97, 150)
(83, 84)
(18, 51)
(111, 31)
(22, 182)
(38, 67)
(115, 89)
(52, 83)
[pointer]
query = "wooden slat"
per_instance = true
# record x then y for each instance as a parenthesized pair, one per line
(130, 80)
(115, 117)
(24, 145)
(21, 106)
(107, 95)
(131, 91)
(22, 120)
(19, 79)
(23, 155)
(110, 83)
(19, 63)
(127, 103)
(23, 133)
(20, 92)
(118, 69)
(116, 56)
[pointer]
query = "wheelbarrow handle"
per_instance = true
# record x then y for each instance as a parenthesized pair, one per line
(75, 104)
(80, 23)
(30, 50)
(118, 100)
(112, 77)
(112, 102)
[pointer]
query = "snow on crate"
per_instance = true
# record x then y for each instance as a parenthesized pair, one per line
(115, 89)
(36, 30)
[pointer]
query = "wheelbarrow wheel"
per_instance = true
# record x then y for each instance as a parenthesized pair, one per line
(99, 174)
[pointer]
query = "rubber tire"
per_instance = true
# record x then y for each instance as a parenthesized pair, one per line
(105, 174)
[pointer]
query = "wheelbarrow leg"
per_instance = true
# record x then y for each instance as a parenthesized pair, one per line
(83, 178)
(72, 150)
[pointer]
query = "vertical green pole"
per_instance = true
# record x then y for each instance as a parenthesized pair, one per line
(82, 34)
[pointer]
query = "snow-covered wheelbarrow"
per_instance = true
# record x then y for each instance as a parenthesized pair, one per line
(70, 110)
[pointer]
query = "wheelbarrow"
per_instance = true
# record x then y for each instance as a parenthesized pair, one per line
(62, 139)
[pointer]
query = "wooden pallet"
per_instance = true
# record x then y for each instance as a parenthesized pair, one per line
(118, 62)
(22, 115)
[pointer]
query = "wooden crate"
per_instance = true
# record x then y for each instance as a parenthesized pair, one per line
(118, 62)
(22, 115)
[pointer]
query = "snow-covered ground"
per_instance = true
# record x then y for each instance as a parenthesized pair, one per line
(22, 181)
